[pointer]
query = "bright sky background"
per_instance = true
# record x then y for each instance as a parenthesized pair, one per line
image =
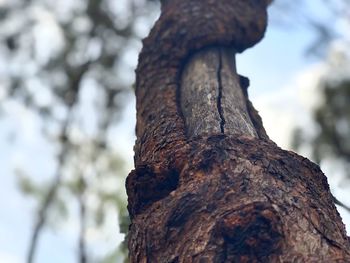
(281, 78)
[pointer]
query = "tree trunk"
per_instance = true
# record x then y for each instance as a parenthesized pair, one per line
(208, 184)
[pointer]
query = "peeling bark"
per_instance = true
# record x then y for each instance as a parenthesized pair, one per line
(208, 184)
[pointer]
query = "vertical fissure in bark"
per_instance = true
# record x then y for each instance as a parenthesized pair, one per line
(211, 98)
(220, 87)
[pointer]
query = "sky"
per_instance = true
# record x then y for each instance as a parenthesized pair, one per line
(281, 76)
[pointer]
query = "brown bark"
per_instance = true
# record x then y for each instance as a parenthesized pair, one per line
(208, 184)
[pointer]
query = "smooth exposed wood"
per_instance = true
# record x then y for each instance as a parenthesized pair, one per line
(211, 98)
(199, 94)
(233, 100)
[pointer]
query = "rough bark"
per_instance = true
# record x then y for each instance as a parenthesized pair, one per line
(208, 184)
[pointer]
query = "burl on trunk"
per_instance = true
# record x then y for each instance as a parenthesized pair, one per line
(209, 185)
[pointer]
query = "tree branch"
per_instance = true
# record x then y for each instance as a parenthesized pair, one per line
(75, 85)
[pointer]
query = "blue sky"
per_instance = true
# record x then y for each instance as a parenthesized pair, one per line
(276, 66)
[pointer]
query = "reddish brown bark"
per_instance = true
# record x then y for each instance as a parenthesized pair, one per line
(222, 195)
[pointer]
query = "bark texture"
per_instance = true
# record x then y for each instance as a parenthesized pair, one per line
(208, 184)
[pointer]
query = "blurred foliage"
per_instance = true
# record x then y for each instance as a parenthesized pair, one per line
(332, 119)
(330, 25)
(71, 63)
(331, 116)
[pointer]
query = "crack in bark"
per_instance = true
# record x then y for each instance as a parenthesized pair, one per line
(219, 99)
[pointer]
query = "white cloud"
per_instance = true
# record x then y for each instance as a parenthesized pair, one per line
(291, 106)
